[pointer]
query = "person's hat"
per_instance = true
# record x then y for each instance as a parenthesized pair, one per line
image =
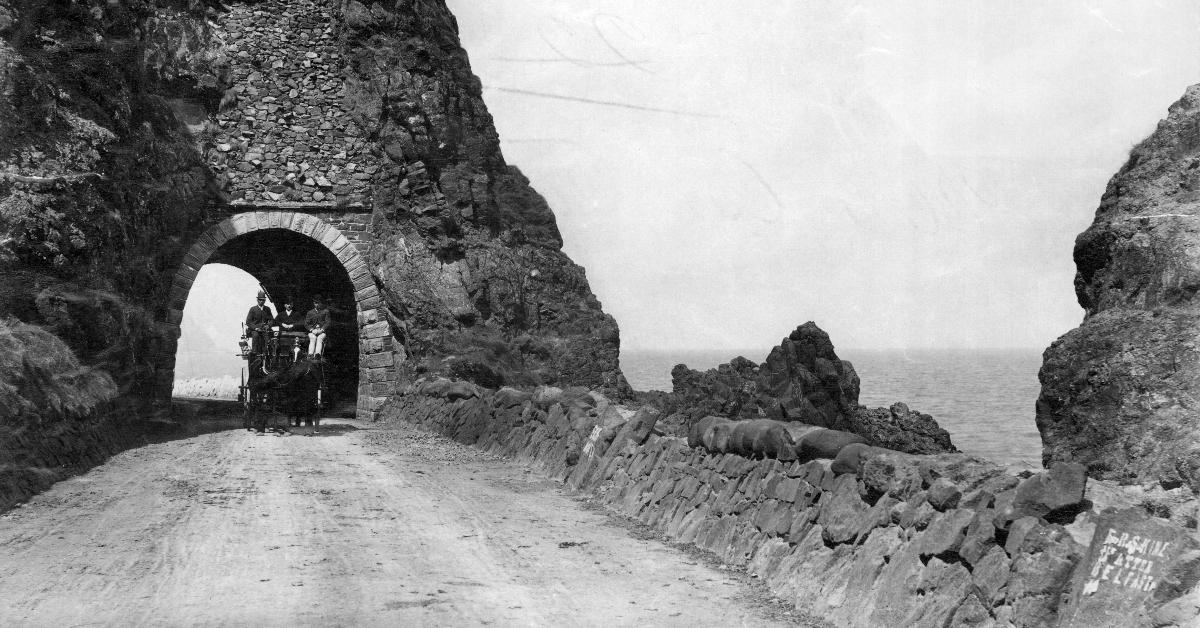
(317, 299)
(262, 294)
(289, 301)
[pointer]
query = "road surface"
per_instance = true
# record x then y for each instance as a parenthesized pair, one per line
(358, 525)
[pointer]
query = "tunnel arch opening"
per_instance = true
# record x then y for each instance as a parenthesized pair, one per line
(299, 255)
(207, 363)
(290, 266)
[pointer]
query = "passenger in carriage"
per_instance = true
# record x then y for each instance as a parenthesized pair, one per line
(291, 327)
(289, 319)
(258, 323)
(317, 321)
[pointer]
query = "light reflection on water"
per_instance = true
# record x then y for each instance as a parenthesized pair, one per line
(984, 398)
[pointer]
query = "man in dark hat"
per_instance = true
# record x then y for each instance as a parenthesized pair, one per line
(291, 327)
(317, 321)
(258, 323)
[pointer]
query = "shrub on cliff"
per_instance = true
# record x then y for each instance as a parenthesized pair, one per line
(41, 379)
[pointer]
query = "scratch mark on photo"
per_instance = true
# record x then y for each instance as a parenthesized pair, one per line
(607, 103)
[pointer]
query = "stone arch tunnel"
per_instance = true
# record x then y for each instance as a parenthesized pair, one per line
(301, 254)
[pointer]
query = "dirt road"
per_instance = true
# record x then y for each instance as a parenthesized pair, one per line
(359, 525)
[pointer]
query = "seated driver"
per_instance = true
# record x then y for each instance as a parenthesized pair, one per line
(317, 321)
(258, 323)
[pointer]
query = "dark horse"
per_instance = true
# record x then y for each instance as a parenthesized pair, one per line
(296, 389)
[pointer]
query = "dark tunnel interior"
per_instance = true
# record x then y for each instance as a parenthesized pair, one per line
(288, 264)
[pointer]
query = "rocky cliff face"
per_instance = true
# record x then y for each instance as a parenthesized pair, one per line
(127, 128)
(99, 180)
(468, 256)
(801, 380)
(1119, 393)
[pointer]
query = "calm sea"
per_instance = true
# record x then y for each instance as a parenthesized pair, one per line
(984, 398)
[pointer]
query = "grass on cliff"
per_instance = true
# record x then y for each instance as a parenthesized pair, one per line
(42, 380)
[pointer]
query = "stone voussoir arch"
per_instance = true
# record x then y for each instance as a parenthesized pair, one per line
(376, 378)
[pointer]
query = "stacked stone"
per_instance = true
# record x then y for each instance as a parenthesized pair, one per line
(353, 225)
(900, 540)
(284, 135)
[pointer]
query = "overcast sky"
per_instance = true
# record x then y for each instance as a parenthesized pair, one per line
(906, 174)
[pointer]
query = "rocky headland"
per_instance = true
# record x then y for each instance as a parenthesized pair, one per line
(1119, 393)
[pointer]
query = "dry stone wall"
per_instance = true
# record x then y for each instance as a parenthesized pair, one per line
(895, 540)
(284, 134)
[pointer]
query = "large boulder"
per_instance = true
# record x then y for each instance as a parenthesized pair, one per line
(762, 438)
(1058, 491)
(700, 434)
(637, 429)
(1118, 392)
(825, 443)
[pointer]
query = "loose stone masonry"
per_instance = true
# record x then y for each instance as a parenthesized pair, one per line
(287, 154)
(283, 131)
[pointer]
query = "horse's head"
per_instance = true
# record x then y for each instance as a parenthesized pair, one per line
(284, 376)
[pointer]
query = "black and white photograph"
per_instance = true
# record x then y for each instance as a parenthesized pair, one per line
(865, 314)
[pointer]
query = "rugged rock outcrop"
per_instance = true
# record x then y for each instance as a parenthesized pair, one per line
(53, 418)
(128, 128)
(897, 427)
(99, 180)
(801, 380)
(468, 255)
(1119, 393)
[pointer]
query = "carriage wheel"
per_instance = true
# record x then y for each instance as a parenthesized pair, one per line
(322, 397)
(275, 410)
(260, 413)
(247, 408)
(254, 416)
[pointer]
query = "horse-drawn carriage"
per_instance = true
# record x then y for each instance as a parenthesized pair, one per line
(280, 378)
